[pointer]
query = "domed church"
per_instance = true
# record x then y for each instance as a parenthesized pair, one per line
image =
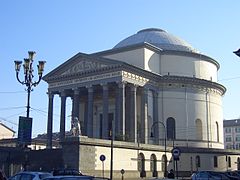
(133, 104)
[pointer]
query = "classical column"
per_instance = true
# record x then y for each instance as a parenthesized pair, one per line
(90, 112)
(50, 120)
(105, 124)
(133, 114)
(144, 117)
(75, 104)
(120, 111)
(155, 117)
(62, 116)
(85, 121)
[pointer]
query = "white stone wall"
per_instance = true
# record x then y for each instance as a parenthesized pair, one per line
(134, 57)
(125, 156)
(151, 61)
(186, 107)
(188, 66)
(163, 64)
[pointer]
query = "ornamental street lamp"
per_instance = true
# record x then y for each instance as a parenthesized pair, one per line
(28, 75)
(111, 158)
(237, 52)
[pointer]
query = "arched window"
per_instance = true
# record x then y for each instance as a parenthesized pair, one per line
(217, 131)
(141, 165)
(238, 163)
(215, 161)
(171, 128)
(198, 162)
(199, 135)
(229, 161)
(164, 165)
(153, 165)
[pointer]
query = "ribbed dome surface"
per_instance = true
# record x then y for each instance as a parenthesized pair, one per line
(158, 38)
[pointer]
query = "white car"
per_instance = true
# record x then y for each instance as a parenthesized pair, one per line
(82, 177)
(30, 175)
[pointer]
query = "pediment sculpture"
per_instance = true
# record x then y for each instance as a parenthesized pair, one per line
(84, 66)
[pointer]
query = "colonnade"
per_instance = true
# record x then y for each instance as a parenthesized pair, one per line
(130, 117)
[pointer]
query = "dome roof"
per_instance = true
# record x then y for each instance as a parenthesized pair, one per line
(158, 38)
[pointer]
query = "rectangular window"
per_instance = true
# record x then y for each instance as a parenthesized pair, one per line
(237, 129)
(238, 138)
(228, 146)
(228, 139)
(227, 130)
(237, 146)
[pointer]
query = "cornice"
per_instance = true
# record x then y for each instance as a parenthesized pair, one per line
(154, 79)
(201, 84)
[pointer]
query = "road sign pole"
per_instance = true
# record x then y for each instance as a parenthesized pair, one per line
(176, 169)
(103, 169)
(102, 158)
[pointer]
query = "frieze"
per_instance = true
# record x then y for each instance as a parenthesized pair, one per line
(84, 66)
(85, 79)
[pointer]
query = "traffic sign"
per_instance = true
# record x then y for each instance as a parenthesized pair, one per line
(122, 171)
(24, 130)
(176, 153)
(102, 157)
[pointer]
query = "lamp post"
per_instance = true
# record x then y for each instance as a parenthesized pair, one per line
(165, 137)
(111, 158)
(165, 140)
(28, 75)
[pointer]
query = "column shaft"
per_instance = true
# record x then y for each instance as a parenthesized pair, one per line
(75, 105)
(155, 117)
(144, 117)
(105, 123)
(62, 116)
(90, 112)
(50, 120)
(120, 111)
(133, 114)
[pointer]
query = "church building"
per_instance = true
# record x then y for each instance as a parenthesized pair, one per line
(134, 103)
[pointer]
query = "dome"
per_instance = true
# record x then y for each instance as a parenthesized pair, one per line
(158, 38)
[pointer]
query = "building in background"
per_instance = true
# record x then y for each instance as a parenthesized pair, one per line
(231, 134)
(6, 132)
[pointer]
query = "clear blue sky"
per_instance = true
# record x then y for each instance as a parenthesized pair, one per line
(58, 29)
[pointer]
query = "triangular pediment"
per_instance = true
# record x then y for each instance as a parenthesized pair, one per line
(80, 63)
(83, 65)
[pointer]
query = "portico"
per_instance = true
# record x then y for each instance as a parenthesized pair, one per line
(117, 99)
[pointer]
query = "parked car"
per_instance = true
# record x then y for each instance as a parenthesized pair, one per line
(232, 175)
(83, 177)
(63, 172)
(209, 175)
(30, 175)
